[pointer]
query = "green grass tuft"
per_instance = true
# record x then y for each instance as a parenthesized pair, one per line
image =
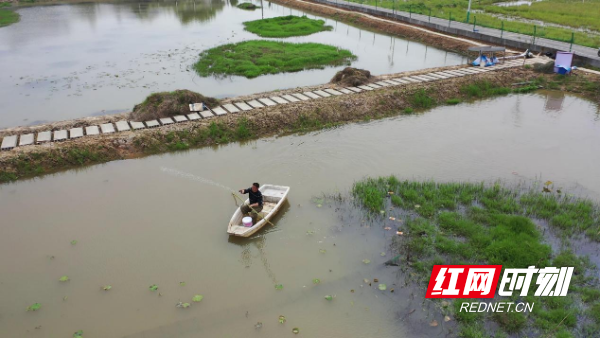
(480, 89)
(421, 100)
(256, 57)
(466, 223)
(8, 17)
(286, 26)
(247, 6)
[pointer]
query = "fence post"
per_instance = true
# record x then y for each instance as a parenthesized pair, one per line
(449, 19)
(534, 32)
(572, 39)
(502, 30)
(474, 22)
(410, 11)
(430, 15)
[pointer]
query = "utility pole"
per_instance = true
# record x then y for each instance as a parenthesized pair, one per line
(469, 11)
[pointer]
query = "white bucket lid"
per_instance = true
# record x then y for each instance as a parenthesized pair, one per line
(247, 219)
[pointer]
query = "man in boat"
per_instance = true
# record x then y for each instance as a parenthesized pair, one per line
(255, 200)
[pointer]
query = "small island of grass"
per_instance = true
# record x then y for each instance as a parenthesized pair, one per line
(286, 26)
(256, 57)
(7, 17)
(247, 6)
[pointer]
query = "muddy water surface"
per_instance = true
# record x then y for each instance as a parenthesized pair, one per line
(75, 60)
(162, 220)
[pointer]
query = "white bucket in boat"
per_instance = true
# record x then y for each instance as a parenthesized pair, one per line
(247, 221)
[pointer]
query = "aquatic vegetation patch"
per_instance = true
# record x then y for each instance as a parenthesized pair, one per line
(34, 307)
(8, 17)
(247, 6)
(475, 223)
(258, 57)
(286, 26)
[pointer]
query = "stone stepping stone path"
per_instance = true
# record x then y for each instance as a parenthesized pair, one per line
(44, 136)
(26, 140)
(107, 128)
(191, 117)
(312, 95)
(152, 124)
(412, 79)
(9, 142)
(60, 135)
(279, 100)
(322, 93)
(333, 92)
(231, 108)
(206, 114)
(75, 133)
(290, 98)
(441, 77)
(267, 102)
(180, 118)
(242, 105)
(200, 111)
(219, 111)
(392, 82)
(255, 104)
(301, 96)
(137, 125)
(91, 130)
(166, 121)
(122, 126)
(382, 83)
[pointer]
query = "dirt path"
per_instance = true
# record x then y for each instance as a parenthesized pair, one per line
(30, 161)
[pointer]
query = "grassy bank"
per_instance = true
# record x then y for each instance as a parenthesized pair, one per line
(571, 13)
(281, 120)
(255, 58)
(7, 16)
(286, 26)
(469, 223)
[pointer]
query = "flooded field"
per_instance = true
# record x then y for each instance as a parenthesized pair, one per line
(75, 60)
(162, 220)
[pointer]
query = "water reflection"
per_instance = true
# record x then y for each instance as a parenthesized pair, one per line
(554, 100)
(187, 11)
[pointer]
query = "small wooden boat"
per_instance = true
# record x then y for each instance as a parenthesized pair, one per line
(273, 198)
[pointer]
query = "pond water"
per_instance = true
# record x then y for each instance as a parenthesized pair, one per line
(162, 220)
(75, 60)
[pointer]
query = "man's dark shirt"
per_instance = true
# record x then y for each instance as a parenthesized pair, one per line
(255, 197)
